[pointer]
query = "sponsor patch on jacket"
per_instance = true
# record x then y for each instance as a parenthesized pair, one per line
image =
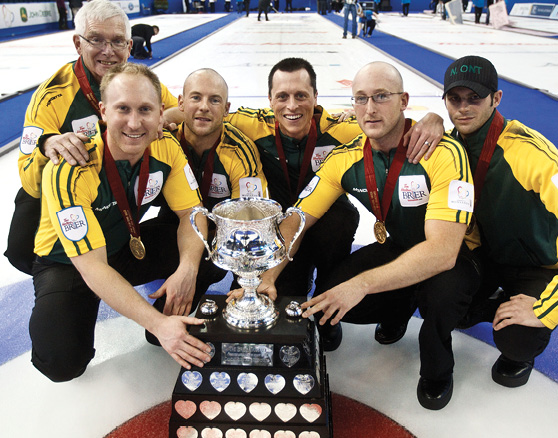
(190, 177)
(73, 223)
(251, 186)
(218, 188)
(29, 138)
(461, 196)
(86, 126)
(319, 155)
(413, 190)
(307, 191)
(153, 188)
(554, 179)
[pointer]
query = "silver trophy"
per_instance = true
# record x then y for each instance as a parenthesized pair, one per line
(248, 242)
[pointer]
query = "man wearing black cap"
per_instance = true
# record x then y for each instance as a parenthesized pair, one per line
(515, 230)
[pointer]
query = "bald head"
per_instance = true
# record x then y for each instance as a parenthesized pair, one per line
(209, 79)
(379, 103)
(204, 103)
(379, 75)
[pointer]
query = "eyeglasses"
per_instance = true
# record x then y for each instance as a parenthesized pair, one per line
(378, 98)
(99, 43)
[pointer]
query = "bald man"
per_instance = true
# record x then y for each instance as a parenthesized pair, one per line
(422, 213)
(225, 162)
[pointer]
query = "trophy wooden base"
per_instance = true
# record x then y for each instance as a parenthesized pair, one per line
(264, 383)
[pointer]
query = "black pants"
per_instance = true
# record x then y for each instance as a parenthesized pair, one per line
(442, 300)
(323, 247)
(138, 50)
(63, 18)
(263, 6)
(21, 237)
(405, 8)
(516, 342)
(62, 323)
(478, 14)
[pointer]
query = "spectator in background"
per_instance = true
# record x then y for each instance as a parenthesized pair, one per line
(75, 6)
(141, 35)
(479, 4)
(212, 6)
(247, 7)
(405, 4)
(289, 7)
(227, 5)
(263, 6)
(350, 8)
(62, 15)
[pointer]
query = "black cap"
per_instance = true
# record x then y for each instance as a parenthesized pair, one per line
(473, 72)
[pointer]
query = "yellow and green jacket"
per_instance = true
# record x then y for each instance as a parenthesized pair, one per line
(79, 212)
(237, 168)
(440, 188)
(59, 106)
(517, 214)
(259, 125)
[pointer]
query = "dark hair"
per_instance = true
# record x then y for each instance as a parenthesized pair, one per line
(291, 65)
(156, 28)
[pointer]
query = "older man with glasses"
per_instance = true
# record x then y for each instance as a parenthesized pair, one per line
(422, 211)
(63, 113)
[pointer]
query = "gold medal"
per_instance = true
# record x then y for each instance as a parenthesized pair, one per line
(137, 248)
(380, 232)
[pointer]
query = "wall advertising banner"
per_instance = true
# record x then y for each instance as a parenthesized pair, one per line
(31, 14)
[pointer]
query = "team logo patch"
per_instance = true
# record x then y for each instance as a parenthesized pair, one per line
(86, 126)
(190, 177)
(29, 138)
(461, 196)
(554, 179)
(251, 186)
(153, 188)
(320, 154)
(73, 223)
(218, 188)
(413, 190)
(310, 187)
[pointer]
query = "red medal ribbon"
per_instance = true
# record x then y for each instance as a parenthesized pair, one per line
(308, 152)
(118, 188)
(86, 87)
(380, 211)
(208, 167)
(488, 148)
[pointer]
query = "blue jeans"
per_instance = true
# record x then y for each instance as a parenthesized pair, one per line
(352, 10)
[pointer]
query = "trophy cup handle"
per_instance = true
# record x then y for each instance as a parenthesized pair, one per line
(206, 213)
(289, 212)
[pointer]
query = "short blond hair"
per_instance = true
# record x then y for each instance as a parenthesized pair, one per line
(131, 69)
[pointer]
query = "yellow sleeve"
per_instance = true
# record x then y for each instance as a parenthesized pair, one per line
(68, 192)
(452, 190)
(243, 165)
(181, 189)
(168, 98)
(324, 189)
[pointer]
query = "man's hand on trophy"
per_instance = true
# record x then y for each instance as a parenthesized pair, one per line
(334, 303)
(182, 347)
(234, 294)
